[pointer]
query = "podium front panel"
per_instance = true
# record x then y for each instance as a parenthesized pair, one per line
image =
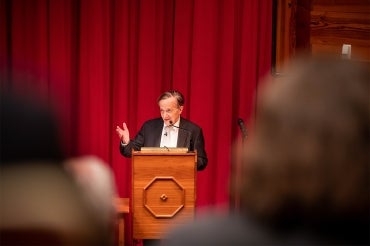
(164, 192)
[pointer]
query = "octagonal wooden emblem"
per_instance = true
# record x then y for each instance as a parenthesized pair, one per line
(164, 197)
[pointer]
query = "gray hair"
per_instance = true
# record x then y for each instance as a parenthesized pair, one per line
(172, 93)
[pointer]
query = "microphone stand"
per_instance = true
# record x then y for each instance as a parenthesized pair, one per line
(236, 169)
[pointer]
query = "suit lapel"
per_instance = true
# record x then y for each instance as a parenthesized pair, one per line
(182, 138)
(158, 133)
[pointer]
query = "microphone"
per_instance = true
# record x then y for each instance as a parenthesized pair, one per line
(242, 128)
(171, 124)
(165, 134)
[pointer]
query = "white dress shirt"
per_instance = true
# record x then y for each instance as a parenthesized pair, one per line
(170, 135)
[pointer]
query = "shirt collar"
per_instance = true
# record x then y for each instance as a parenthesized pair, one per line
(177, 125)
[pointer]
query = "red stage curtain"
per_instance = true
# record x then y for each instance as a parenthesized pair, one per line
(103, 62)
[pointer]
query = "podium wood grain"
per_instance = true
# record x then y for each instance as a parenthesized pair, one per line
(163, 192)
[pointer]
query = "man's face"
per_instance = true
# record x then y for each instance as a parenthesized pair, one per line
(170, 110)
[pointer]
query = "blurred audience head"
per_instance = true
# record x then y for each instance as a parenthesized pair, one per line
(28, 130)
(307, 161)
(96, 180)
(43, 199)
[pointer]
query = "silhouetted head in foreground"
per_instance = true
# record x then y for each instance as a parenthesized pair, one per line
(28, 130)
(42, 202)
(307, 163)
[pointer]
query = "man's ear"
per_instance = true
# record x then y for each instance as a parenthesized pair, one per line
(181, 107)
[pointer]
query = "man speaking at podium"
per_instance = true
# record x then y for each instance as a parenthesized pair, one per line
(170, 130)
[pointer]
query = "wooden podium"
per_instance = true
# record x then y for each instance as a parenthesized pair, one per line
(163, 190)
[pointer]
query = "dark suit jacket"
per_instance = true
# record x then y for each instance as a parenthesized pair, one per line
(190, 136)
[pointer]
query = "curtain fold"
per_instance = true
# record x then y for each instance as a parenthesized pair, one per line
(101, 63)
